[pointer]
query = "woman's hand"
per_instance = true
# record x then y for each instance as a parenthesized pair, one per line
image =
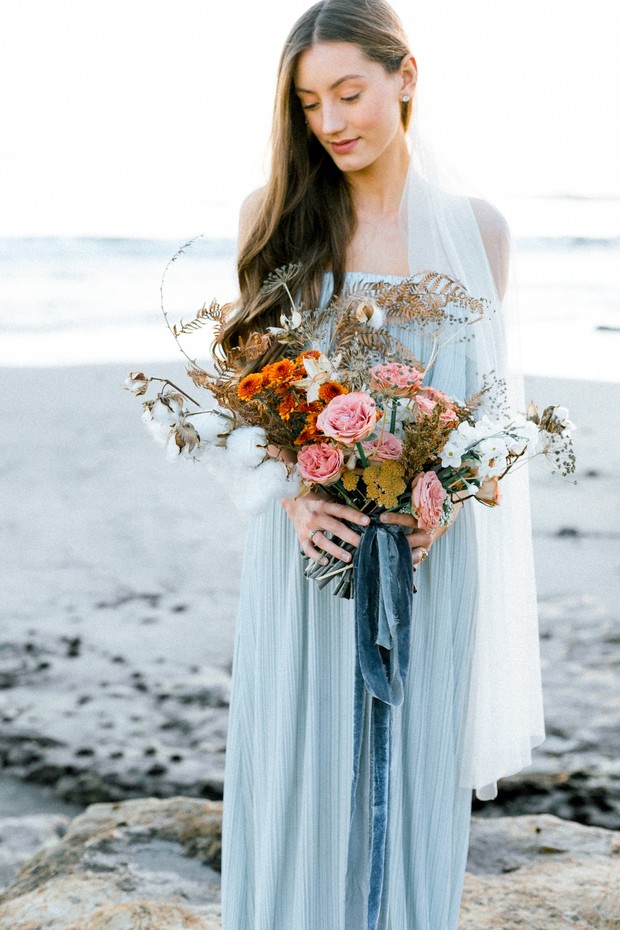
(419, 540)
(315, 515)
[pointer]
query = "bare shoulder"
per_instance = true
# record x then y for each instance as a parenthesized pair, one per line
(495, 234)
(248, 214)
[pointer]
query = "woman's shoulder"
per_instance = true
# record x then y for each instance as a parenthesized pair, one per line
(248, 213)
(495, 235)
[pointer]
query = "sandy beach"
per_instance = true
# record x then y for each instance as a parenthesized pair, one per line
(120, 575)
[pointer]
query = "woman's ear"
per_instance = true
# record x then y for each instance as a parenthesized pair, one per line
(409, 75)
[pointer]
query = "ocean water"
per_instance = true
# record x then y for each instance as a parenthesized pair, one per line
(86, 300)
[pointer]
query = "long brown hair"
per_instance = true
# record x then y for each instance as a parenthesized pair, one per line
(293, 224)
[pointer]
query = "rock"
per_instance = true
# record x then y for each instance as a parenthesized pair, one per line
(504, 844)
(21, 837)
(151, 865)
(136, 865)
(541, 873)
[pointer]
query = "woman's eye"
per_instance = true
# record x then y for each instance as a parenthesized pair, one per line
(310, 106)
(354, 97)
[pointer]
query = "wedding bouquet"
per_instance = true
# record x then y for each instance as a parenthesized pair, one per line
(345, 409)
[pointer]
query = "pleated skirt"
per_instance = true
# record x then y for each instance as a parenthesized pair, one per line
(289, 757)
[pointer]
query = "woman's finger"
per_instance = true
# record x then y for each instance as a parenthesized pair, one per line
(319, 539)
(401, 519)
(420, 538)
(419, 554)
(339, 529)
(346, 513)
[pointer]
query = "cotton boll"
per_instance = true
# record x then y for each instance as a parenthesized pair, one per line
(137, 383)
(266, 483)
(167, 409)
(246, 445)
(212, 425)
(159, 431)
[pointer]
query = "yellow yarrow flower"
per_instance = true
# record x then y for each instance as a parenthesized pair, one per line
(385, 482)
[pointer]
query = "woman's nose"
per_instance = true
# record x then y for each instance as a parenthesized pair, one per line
(333, 120)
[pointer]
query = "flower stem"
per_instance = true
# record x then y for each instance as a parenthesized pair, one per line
(177, 388)
(362, 454)
(393, 417)
(342, 489)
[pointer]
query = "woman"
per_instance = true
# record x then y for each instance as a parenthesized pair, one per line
(350, 199)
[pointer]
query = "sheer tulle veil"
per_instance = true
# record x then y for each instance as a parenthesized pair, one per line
(466, 238)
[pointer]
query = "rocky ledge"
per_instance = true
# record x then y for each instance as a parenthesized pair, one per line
(152, 864)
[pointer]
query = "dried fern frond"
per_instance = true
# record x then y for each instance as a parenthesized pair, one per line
(200, 377)
(423, 298)
(214, 313)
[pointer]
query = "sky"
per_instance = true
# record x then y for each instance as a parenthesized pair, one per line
(149, 118)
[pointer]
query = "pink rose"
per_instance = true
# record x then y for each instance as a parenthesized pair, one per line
(427, 500)
(424, 405)
(489, 491)
(448, 417)
(437, 395)
(395, 379)
(348, 418)
(320, 463)
(385, 447)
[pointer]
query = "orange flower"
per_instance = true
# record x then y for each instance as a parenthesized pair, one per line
(279, 371)
(309, 432)
(331, 389)
(309, 353)
(249, 386)
(286, 407)
(312, 409)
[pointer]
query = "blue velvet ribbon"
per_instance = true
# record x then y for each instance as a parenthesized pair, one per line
(383, 572)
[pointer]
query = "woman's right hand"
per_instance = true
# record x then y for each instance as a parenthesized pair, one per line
(317, 515)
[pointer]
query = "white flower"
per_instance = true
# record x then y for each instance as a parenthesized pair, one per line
(137, 383)
(247, 445)
(265, 483)
(522, 434)
(319, 371)
(214, 425)
(464, 435)
(451, 455)
(485, 427)
(493, 454)
(287, 326)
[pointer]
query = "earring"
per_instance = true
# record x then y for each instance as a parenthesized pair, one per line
(406, 98)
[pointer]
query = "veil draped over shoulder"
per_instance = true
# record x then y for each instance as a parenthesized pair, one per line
(467, 239)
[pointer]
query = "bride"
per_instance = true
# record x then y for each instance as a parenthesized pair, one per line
(354, 196)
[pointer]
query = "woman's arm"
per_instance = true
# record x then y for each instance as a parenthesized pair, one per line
(495, 234)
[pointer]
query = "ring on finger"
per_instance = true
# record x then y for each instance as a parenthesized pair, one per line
(423, 553)
(313, 533)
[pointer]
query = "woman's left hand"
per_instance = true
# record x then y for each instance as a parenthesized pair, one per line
(419, 540)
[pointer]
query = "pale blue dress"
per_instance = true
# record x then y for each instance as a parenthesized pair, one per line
(289, 759)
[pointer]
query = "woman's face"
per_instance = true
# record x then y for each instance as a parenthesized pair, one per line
(352, 105)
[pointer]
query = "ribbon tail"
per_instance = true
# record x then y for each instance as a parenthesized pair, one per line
(380, 752)
(383, 600)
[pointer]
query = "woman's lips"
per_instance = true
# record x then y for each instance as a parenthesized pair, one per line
(346, 146)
